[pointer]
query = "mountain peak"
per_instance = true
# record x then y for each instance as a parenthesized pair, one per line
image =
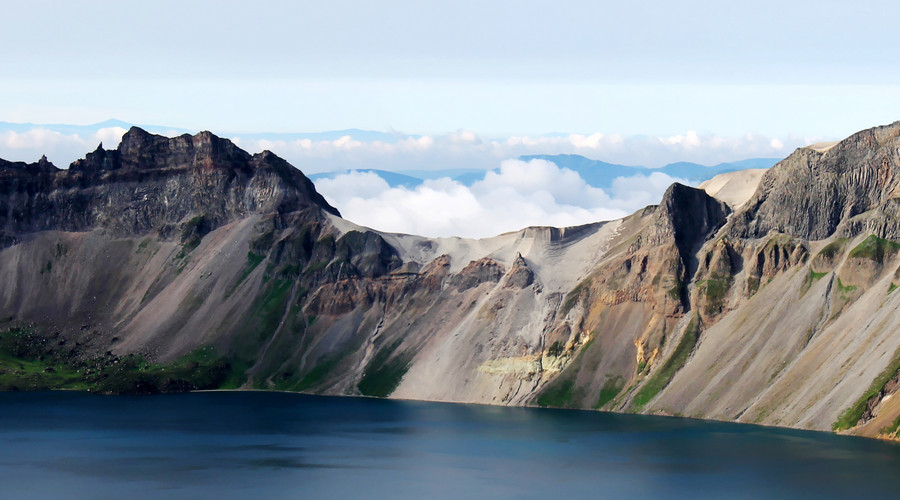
(151, 182)
(816, 192)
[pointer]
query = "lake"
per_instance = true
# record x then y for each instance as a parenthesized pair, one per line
(275, 445)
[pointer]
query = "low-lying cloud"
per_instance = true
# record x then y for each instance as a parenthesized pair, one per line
(396, 151)
(60, 148)
(519, 194)
(515, 195)
(467, 149)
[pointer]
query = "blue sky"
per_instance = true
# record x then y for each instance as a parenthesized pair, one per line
(456, 84)
(496, 67)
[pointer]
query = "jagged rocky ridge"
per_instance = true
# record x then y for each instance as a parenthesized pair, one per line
(172, 264)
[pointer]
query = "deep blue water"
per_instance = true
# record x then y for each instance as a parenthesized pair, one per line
(272, 445)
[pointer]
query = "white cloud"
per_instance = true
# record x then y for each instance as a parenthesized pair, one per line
(542, 178)
(688, 141)
(632, 193)
(111, 137)
(520, 194)
(460, 149)
(515, 195)
(61, 149)
(465, 149)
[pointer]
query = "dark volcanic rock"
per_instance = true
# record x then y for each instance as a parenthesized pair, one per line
(687, 216)
(520, 276)
(477, 272)
(151, 182)
(811, 193)
(363, 254)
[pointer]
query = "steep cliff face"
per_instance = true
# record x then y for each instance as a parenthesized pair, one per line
(151, 183)
(170, 264)
(814, 193)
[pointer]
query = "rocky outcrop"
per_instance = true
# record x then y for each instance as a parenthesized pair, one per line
(812, 193)
(485, 270)
(151, 183)
(520, 276)
(687, 216)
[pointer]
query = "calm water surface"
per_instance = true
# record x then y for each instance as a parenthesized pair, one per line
(271, 445)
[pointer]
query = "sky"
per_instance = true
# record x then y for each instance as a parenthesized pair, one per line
(456, 83)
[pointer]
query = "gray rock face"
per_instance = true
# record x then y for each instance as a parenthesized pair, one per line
(520, 276)
(687, 216)
(477, 272)
(151, 182)
(811, 194)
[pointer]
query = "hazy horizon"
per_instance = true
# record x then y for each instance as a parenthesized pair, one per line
(455, 85)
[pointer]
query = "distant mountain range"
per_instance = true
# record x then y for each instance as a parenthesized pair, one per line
(86, 130)
(596, 173)
(83, 130)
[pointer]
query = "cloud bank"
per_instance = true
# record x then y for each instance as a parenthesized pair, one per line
(60, 148)
(465, 149)
(396, 151)
(517, 195)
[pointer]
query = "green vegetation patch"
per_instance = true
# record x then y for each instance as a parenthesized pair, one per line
(316, 266)
(891, 429)
(237, 374)
(556, 349)
(892, 287)
(324, 367)
(253, 260)
(642, 365)
(810, 278)
(611, 388)
(844, 289)
(31, 362)
(17, 373)
(814, 276)
(202, 368)
(270, 307)
(850, 417)
(874, 248)
(559, 394)
(659, 380)
(833, 249)
(752, 285)
(562, 392)
(573, 297)
(715, 290)
(384, 372)
(318, 374)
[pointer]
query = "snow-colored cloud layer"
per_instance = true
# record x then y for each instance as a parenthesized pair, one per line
(513, 193)
(61, 148)
(466, 149)
(517, 195)
(322, 152)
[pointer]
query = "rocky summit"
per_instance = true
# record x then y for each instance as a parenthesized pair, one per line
(172, 264)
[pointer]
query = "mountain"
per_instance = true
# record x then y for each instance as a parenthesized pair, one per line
(601, 174)
(594, 172)
(176, 264)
